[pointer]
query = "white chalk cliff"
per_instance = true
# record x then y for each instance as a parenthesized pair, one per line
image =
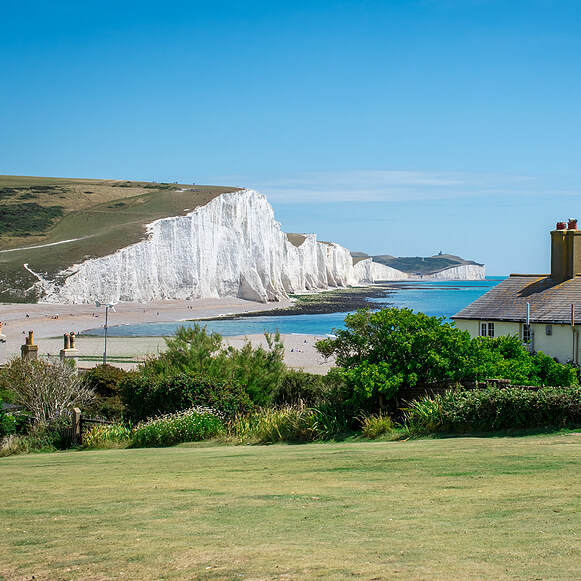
(462, 272)
(367, 271)
(232, 246)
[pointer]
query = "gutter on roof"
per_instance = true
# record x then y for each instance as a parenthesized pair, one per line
(539, 321)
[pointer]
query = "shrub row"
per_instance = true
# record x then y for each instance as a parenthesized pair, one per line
(495, 409)
(263, 426)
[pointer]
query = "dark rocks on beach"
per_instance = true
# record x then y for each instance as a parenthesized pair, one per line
(333, 301)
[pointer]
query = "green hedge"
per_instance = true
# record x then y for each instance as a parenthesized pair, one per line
(495, 409)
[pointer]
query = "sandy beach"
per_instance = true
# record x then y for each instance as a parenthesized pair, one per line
(49, 322)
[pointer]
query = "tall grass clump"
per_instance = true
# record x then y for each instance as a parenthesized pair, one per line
(193, 425)
(107, 436)
(493, 409)
(376, 425)
(290, 424)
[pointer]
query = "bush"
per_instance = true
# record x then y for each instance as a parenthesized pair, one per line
(146, 397)
(493, 409)
(7, 422)
(104, 380)
(379, 352)
(299, 386)
(21, 219)
(187, 426)
(193, 351)
(44, 389)
(39, 438)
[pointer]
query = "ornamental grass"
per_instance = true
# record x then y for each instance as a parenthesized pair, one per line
(290, 424)
(107, 436)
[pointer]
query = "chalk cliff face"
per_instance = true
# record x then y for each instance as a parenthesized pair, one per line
(464, 272)
(230, 247)
(368, 271)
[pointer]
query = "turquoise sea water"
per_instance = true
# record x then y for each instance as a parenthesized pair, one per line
(442, 299)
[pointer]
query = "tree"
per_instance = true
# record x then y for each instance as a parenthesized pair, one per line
(195, 351)
(44, 389)
(381, 351)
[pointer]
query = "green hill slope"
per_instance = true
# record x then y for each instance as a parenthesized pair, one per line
(52, 223)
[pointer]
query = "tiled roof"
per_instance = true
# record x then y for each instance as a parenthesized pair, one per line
(550, 302)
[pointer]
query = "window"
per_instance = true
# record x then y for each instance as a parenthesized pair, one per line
(487, 329)
(548, 329)
(526, 333)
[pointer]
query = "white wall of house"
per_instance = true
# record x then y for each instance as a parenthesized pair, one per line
(562, 343)
(500, 327)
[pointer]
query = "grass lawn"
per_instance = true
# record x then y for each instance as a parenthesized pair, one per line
(462, 508)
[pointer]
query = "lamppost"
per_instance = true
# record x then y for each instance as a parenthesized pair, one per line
(107, 307)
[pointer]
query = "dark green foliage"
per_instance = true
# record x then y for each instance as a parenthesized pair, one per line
(310, 388)
(104, 379)
(298, 386)
(494, 409)
(7, 422)
(150, 396)
(25, 218)
(194, 350)
(381, 351)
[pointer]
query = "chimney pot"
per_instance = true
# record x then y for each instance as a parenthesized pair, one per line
(572, 224)
(561, 225)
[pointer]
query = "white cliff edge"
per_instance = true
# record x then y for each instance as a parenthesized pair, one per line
(463, 272)
(368, 271)
(232, 246)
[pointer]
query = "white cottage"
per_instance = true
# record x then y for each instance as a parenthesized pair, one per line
(543, 310)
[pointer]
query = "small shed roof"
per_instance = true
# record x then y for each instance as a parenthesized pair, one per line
(550, 302)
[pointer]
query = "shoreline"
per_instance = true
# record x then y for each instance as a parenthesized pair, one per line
(50, 321)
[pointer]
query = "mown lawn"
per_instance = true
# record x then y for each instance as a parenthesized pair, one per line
(464, 508)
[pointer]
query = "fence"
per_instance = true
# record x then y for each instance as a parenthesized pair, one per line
(78, 425)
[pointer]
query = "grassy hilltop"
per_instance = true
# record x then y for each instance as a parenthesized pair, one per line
(79, 219)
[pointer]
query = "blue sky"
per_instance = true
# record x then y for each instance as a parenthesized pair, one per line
(400, 127)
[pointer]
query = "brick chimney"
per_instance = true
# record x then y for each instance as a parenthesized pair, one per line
(565, 251)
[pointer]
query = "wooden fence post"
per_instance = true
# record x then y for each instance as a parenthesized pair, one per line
(76, 419)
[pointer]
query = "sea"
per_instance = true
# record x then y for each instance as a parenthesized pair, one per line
(434, 298)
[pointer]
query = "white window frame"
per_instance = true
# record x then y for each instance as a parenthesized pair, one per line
(486, 329)
(527, 333)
